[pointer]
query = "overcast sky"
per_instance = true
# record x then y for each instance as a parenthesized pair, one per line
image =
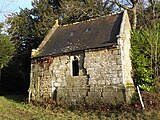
(11, 6)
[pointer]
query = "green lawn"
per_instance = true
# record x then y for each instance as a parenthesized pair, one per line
(12, 110)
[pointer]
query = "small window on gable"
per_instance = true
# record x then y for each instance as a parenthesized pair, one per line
(71, 34)
(88, 29)
(74, 66)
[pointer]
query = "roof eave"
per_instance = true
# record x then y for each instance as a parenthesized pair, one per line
(112, 45)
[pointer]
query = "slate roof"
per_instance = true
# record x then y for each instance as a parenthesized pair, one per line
(85, 35)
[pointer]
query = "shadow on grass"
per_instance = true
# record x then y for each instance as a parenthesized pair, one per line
(14, 95)
(17, 97)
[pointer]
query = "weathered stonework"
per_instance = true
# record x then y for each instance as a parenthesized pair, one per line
(104, 74)
(100, 78)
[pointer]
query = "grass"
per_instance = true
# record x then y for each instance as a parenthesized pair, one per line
(12, 108)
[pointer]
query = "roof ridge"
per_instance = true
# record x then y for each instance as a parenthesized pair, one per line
(92, 19)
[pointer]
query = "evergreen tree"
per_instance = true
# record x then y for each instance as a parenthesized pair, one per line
(6, 50)
(78, 10)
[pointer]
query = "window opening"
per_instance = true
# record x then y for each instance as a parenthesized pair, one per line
(75, 67)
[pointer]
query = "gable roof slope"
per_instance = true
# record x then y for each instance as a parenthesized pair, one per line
(85, 35)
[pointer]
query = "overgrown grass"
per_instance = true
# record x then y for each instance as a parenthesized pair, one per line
(12, 108)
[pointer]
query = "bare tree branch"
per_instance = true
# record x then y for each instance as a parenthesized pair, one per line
(132, 9)
(122, 6)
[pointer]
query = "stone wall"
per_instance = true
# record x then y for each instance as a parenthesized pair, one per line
(125, 46)
(100, 78)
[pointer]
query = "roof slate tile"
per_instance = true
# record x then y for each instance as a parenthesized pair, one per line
(97, 33)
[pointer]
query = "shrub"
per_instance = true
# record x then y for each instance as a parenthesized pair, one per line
(145, 55)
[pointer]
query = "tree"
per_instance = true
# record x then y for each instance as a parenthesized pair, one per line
(6, 50)
(145, 55)
(76, 11)
(141, 12)
(147, 14)
(146, 45)
(130, 5)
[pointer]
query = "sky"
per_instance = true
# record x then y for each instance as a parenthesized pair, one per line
(12, 6)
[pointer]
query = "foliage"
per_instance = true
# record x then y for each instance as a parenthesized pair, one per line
(147, 12)
(73, 11)
(29, 27)
(6, 49)
(145, 55)
(80, 10)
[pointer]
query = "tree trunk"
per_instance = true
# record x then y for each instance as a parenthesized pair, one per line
(134, 21)
(133, 10)
(100, 4)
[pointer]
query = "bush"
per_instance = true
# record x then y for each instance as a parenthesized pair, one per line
(145, 55)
